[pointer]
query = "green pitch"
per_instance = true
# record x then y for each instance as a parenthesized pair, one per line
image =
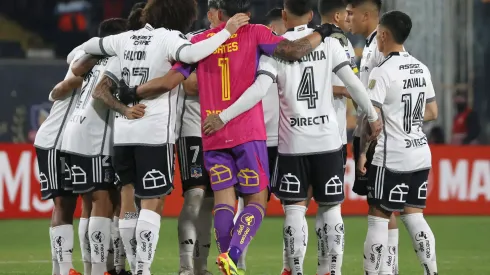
(462, 243)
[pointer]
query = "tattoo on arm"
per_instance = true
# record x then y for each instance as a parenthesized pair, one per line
(293, 50)
(105, 91)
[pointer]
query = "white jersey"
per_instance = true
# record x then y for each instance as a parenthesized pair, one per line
(371, 57)
(307, 119)
(401, 86)
(191, 118)
(270, 104)
(89, 131)
(340, 104)
(50, 134)
(146, 54)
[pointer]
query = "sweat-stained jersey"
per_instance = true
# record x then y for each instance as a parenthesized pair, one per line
(401, 86)
(225, 75)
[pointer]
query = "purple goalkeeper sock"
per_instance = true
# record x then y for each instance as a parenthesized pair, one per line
(223, 225)
(245, 229)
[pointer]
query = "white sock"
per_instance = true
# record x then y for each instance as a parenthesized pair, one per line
(63, 243)
(388, 266)
(423, 241)
(375, 244)
(285, 261)
(110, 252)
(147, 233)
(294, 237)
(242, 260)
(322, 249)
(54, 259)
(99, 230)
(203, 227)
(127, 229)
(334, 237)
(117, 244)
(187, 226)
(85, 246)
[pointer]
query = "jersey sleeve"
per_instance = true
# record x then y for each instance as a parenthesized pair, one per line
(350, 55)
(378, 85)
(113, 70)
(176, 42)
(267, 41)
(268, 66)
(185, 69)
(431, 93)
(109, 45)
(339, 57)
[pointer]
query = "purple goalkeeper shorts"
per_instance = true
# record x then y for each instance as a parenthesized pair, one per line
(245, 165)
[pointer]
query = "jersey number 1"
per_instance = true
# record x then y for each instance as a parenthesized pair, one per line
(415, 118)
(306, 90)
(224, 64)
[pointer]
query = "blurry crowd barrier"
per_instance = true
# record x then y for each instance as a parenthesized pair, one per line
(459, 184)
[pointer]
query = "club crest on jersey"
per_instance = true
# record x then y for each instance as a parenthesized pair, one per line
(196, 171)
(372, 83)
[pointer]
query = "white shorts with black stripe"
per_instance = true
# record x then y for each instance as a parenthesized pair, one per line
(392, 191)
(150, 168)
(52, 174)
(90, 173)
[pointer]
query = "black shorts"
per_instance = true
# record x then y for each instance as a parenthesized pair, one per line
(191, 161)
(149, 168)
(89, 173)
(323, 172)
(361, 182)
(344, 155)
(52, 174)
(392, 191)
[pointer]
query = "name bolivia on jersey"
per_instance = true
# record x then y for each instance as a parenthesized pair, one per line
(459, 184)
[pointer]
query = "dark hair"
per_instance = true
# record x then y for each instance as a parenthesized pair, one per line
(140, 5)
(274, 14)
(298, 7)
(213, 4)
(232, 7)
(134, 20)
(327, 6)
(170, 14)
(398, 23)
(355, 3)
(112, 26)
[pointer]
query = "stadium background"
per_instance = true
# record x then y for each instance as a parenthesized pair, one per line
(450, 36)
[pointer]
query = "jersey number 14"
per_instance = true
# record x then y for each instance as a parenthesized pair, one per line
(415, 117)
(306, 90)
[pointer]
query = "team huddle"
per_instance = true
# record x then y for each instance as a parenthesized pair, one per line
(249, 110)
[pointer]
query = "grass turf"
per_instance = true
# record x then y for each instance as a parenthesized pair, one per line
(462, 245)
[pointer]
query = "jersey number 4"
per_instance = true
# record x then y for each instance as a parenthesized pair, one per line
(306, 91)
(415, 117)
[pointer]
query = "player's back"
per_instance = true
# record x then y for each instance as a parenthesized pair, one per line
(225, 75)
(308, 122)
(402, 145)
(146, 54)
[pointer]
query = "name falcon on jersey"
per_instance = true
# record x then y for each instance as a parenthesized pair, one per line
(134, 55)
(311, 57)
(418, 82)
(308, 121)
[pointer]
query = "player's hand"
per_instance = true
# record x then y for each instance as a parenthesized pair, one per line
(212, 124)
(361, 169)
(327, 30)
(237, 21)
(135, 112)
(126, 94)
(375, 129)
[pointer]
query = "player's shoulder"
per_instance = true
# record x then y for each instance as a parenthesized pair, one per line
(194, 33)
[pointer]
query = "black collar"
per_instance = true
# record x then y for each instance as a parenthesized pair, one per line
(370, 38)
(393, 54)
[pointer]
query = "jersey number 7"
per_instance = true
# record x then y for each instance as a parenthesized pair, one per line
(306, 90)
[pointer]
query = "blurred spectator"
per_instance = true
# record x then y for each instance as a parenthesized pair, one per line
(466, 124)
(73, 24)
(436, 135)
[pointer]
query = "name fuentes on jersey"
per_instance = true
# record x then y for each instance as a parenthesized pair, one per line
(308, 121)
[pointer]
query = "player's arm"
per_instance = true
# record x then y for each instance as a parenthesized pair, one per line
(190, 85)
(65, 87)
(84, 64)
(71, 56)
(184, 51)
(431, 110)
(106, 46)
(294, 50)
